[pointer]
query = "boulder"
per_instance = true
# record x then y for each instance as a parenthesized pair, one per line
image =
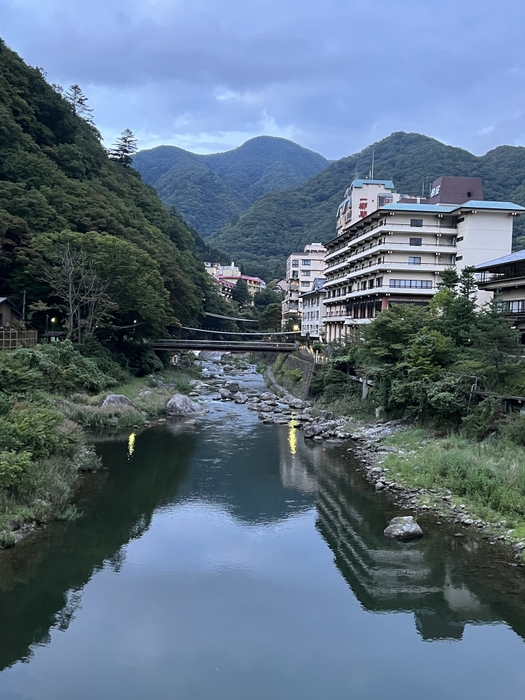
(232, 386)
(225, 394)
(117, 400)
(267, 396)
(403, 528)
(312, 431)
(180, 405)
(326, 415)
(297, 403)
(239, 397)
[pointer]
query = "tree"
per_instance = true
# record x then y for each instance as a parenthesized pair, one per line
(78, 102)
(240, 292)
(76, 283)
(124, 148)
(271, 318)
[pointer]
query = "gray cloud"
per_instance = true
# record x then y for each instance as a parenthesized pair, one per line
(331, 74)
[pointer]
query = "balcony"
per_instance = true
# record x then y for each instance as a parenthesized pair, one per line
(10, 340)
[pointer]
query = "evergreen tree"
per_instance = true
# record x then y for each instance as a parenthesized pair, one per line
(124, 148)
(240, 292)
(78, 102)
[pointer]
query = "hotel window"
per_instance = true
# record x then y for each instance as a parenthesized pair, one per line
(295, 263)
(379, 281)
(305, 284)
(416, 241)
(306, 262)
(414, 261)
(295, 274)
(363, 285)
(416, 222)
(414, 284)
(305, 273)
(370, 284)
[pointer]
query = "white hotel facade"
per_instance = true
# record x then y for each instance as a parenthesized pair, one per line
(391, 249)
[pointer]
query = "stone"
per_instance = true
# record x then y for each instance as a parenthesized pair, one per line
(297, 403)
(326, 415)
(232, 386)
(180, 405)
(239, 397)
(225, 394)
(117, 400)
(403, 528)
(267, 396)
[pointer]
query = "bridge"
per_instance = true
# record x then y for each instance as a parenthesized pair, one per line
(177, 345)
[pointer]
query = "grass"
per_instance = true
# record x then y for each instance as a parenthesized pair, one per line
(149, 396)
(488, 477)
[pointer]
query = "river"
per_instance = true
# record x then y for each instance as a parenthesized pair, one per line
(229, 560)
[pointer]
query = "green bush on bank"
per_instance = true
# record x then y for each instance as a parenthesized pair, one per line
(53, 367)
(489, 475)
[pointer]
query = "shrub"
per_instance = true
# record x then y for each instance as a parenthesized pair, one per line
(13, 466)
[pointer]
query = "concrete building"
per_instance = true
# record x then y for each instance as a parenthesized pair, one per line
(313, 311)
(505, 277)
(301, 271)
(228, 275)
(394, 253)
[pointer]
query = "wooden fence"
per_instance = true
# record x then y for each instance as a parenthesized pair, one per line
(9, 340)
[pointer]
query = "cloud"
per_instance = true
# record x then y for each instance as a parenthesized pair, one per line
(333, 74)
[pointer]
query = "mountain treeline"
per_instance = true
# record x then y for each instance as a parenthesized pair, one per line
(66, 208)
(283, 222)
(213, 190)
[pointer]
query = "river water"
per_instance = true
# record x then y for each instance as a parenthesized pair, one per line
(233, 560)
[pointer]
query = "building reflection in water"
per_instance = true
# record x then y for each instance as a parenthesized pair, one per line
(445, 581)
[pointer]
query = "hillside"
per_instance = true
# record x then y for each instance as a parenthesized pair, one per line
(59, 190)
(282, 222)
(211, 191)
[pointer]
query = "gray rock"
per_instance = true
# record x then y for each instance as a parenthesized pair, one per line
(232, 386)
(180, 405)
(267, 396)
(312, 431)
(239, 397)
(117, 400)
(403, 528)
(225, 394)
(297, 403)
(326, 415)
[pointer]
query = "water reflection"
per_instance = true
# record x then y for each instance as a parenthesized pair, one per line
(205, 496)
(444, 580)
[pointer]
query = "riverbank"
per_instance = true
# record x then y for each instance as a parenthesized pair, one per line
(51, 399)
(478, 486)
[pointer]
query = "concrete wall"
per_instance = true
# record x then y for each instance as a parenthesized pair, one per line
(299, 388)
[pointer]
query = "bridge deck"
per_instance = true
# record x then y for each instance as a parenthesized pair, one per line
(222, 345)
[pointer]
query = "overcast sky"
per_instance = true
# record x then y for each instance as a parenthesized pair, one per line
(332, 75)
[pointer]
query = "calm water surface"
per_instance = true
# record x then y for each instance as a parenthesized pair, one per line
(231, 560)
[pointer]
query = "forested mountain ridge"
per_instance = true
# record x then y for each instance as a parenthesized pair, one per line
(282, 222)
(212, 190)
(59, 189)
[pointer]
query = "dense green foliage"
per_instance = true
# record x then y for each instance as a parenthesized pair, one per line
(211, 191)
(447, 364)
(58, 186)
(283, 222)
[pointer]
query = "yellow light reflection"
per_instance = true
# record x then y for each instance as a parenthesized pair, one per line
(292, 438)
(131, 444)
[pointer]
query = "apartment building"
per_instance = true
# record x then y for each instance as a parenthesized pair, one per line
(313, 311)
(301, 271)
(393, 251)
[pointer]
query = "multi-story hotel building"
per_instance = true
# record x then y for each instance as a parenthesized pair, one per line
(391, 249)
(301, 271)
(313, 311)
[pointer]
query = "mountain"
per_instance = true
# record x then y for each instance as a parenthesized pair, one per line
(280, 223)
(211, 191)
(59, 191)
